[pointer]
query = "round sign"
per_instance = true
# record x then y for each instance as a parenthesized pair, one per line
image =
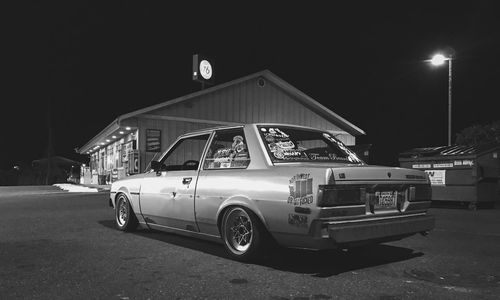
(205, 69)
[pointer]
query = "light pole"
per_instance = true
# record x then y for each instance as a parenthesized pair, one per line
(438, 60)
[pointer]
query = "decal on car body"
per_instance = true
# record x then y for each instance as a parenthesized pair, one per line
(300, 187)
(297, 220)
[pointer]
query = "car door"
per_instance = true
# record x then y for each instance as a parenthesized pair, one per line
(222, 175)
(167, 195)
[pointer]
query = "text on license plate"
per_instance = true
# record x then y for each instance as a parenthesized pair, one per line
(386, 199)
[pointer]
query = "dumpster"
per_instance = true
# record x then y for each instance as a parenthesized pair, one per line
(466, 174)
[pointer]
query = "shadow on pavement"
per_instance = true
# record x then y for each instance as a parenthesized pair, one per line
(324, 263)
(465, 205)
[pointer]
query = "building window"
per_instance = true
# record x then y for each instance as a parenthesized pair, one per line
(110, 157)
(153, 140)
(119, 155)
(102, 161)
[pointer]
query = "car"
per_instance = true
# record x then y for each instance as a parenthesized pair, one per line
(254, 185)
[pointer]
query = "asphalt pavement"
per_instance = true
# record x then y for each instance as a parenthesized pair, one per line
(61, 245)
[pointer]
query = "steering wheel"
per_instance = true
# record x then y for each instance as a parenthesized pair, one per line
(190, 165)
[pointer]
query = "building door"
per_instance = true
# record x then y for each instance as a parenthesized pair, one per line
(167, 195)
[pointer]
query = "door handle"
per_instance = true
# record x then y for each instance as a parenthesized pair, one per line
(186, 180)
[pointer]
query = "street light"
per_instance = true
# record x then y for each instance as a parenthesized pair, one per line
(438, 60)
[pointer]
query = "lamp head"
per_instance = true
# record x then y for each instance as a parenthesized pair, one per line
(438, 59)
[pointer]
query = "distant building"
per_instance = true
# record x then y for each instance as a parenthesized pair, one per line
(131, 141)
(57, 169)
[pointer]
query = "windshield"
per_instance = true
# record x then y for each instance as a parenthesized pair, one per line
(291, 144)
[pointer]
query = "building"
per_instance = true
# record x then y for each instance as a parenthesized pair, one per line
(56, 169)
(128, 144)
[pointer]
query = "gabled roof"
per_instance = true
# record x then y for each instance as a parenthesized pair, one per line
(305, 99)
(300, 96)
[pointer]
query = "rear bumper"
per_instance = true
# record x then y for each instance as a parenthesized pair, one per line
(390, 228)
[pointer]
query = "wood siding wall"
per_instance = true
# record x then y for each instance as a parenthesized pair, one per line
(248, 103)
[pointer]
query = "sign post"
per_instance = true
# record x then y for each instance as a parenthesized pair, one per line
(202, 70)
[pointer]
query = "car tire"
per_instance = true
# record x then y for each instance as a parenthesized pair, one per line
(243, 234)
(125, 218)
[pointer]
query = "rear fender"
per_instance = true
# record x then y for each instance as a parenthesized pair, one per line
(242, 201)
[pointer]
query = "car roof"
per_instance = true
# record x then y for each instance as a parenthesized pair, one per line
(210, 129)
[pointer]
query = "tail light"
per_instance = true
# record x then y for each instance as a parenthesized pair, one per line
(341, 195)
(420, 192)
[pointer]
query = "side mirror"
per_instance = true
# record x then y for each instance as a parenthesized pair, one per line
(156, 165)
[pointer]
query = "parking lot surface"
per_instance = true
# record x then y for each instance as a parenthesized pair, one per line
(60, 245)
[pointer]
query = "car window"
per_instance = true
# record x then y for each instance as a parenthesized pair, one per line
(185, 154)
(227, 150)
(289, 144)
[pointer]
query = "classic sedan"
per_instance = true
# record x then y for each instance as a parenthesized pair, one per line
(254, 185)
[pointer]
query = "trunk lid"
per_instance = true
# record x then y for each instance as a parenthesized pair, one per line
(375, 174)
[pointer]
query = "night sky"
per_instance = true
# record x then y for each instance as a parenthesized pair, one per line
(87, 63)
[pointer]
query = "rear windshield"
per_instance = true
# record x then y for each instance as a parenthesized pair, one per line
(291, 144)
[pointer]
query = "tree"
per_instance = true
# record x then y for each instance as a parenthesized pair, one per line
(479, 134)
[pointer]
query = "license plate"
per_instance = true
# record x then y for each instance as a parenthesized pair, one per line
(386, 199)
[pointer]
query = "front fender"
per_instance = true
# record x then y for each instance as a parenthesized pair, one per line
(240, 200)
(134, 201)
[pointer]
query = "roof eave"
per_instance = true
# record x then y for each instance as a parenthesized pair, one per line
(112, 127)
(348, 126)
